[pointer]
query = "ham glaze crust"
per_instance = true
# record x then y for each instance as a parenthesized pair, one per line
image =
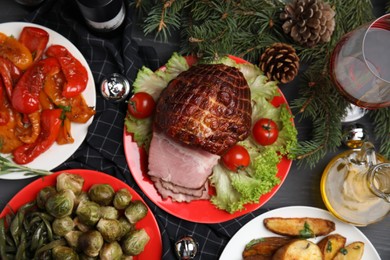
(208, 106)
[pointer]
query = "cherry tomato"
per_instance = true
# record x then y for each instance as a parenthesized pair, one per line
(141, 105)
(236, 158)
(265, 131)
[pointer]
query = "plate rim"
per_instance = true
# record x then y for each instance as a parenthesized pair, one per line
(298, 211)
(128, 144)
(91, 100)
(106, 177)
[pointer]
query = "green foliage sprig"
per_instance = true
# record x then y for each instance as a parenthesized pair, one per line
(245, 28)
(7, 166)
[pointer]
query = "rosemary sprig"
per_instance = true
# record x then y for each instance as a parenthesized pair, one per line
(7, 166)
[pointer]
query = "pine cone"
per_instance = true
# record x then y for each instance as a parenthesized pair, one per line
(308, 22)
(280, 62)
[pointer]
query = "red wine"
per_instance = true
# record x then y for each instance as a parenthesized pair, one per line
(361, 72)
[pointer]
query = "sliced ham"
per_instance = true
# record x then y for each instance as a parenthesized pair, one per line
(179, 189)
(182, 169)
(183, 195)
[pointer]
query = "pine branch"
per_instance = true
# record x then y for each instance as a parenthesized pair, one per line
(325, 113)
(217, 28)
(160, 17)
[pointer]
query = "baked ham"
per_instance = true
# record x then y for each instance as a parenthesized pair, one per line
(207, 106)
(202, 113)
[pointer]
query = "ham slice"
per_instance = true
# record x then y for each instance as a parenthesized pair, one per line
(179, 171)
(182, 194)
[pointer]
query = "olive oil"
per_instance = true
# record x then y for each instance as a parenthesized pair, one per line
(347, 193)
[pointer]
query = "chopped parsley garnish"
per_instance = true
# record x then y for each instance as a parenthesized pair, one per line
(65, 109)
(253, 242)
(344, 251)
(329, 246)
(306, 232)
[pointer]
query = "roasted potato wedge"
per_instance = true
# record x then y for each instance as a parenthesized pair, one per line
(299, 227)
(331, 245)
(299, 249)
(353, 251)
(264, 248)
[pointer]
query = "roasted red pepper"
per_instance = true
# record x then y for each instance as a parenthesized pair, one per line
(15, 51)
(4, 111)
(10, 75)
(50, 126)
(35, 39)
(75, 73)
(25, 96)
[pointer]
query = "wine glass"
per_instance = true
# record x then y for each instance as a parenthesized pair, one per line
(360, 65)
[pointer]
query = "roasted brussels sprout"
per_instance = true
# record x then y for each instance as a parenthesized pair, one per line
(110, 229)
(122, 199)
(135, 242)
(72, 238)
(111, 251)
(126, 226)
(82, 196)
(103, 194)
(67, 181)
(64, 253)
(61, 226)
(90, 243)
(43, 195)
(136, 211)
(60, 204)
(81, 226)
(109, 212)
(88, 212)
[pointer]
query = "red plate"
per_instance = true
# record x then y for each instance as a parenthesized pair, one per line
(201, 211)
(153, 249)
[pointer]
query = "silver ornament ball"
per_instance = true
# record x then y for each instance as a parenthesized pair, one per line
(115, 87)
(186, 248)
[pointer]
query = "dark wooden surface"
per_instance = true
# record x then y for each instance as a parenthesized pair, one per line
(302, 186)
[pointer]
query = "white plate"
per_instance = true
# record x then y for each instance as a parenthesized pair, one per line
(57, 154)
(255, 229)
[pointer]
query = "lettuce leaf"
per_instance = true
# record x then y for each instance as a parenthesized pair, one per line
(175, 65)
(141, 130)
(227, 198)
(234, 190)
(149, 82)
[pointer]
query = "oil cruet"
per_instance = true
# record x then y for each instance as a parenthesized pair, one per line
(355, 186)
